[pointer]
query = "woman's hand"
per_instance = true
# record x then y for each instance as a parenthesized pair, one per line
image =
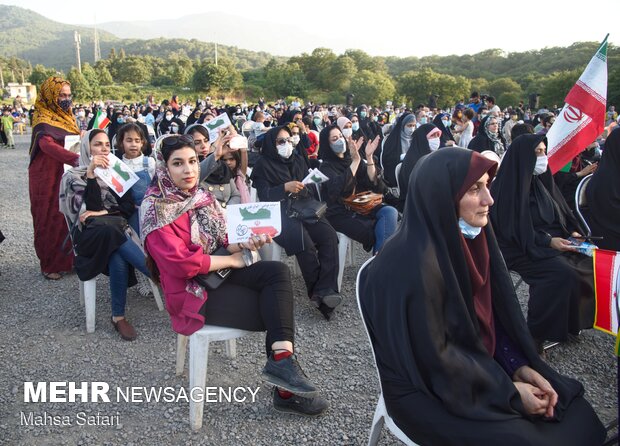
(88, 214)
(535, 401)
(293, 187)
(526, 374)
(587, 170)
(236, 260)
(561, 244)
(255, 242)
(371, 147)
(97, 161)
(221, 144)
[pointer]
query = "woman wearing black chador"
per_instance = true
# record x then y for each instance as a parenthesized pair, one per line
(458, 366)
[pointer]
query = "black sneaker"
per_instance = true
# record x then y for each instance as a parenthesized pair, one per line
(299, 405)
(332, 299)
(326, 311)
(288, 375)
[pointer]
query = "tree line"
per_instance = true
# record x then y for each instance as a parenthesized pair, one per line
(325, 76)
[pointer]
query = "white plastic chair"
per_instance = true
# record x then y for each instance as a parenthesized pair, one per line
(88, 299)
(273, 252)
(581, 202)
(381, 416)
(198, 359)
(88, 294)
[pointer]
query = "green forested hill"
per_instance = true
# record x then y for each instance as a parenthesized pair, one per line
(30, 36)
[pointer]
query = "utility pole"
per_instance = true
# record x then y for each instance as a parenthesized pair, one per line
(216, 54)
(97, 48)
(1, 78)
(23, 81)
(77, 40)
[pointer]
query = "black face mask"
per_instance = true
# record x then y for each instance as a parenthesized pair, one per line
(65, 104)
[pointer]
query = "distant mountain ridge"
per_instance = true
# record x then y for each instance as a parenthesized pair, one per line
(28, 35)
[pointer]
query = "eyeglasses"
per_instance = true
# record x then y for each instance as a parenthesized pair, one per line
(281, 141)
(175, 140)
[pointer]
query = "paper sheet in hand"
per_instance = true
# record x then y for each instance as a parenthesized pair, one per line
(72, 144)
(219, 122)
(315, 177)
(246, 220)
(119, 177)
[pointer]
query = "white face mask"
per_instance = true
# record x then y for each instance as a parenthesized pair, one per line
(81, 113)
(408, 131)
(446, 123)
(433, 143)
(541, 164)
(295, 139)
(347, 132)
(285, 150)
(468, 230)
(168, 117)
(355, 126)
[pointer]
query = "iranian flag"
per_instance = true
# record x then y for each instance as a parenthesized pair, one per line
(606, 286)
(582, 119)
(101, 120)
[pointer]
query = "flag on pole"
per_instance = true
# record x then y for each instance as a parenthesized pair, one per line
(582, 119)
(101, 120)
(606, 288)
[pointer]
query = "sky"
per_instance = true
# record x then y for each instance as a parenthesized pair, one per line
(407, 28)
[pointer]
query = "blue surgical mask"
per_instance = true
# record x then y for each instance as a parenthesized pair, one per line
(355, 126)
(446, 123)
(408, 131)
(468, 230)
(422, 120)
(317, 121)
(338, 146)
(363, 114)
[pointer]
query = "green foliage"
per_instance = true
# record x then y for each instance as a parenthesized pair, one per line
(284, 79)
(80, 89)
(556, 87)
(39, 74)
(504, 85)
(372, 88)
(417, 86)
(220, 78)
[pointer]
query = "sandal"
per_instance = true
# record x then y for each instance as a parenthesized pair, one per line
(52, 276)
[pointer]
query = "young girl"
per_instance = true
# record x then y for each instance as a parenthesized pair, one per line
(131, 141)
(237, 162)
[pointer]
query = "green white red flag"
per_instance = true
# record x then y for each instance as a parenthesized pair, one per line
(582, 119)
(101, 120)
(607, 287)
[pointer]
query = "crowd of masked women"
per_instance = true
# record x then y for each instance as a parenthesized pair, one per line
(185, 183)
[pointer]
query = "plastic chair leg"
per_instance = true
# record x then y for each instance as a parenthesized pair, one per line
(181, 351)
(198, 357)
(157, 295)
(90, 302)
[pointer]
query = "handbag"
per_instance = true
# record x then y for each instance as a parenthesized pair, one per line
(306, 209)
(363, 202)
(116, 221)
(213, 279)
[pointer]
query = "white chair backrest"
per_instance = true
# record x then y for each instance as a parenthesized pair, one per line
(581, 202)
(359, 306)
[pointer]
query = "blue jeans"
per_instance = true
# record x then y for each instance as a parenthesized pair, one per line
(118, 265)
(387, 219)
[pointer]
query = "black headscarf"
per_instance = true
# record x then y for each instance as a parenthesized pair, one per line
(514, 190)
(418, 148)
(446, 133)
(327, 154)
(273, 167)
(603, 195)
(191, 119)
(420, 312)
(391, 151)
(482, 141)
